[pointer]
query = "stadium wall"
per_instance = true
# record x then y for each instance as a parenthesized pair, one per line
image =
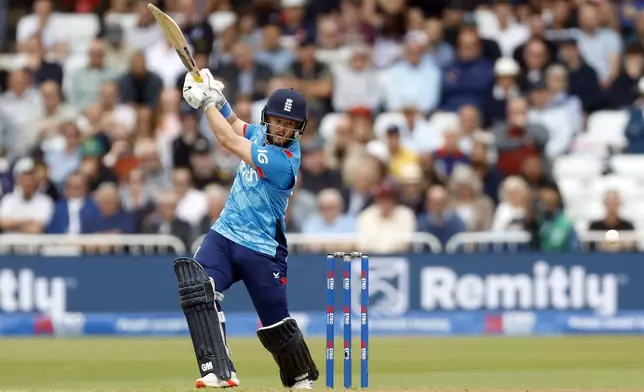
(468, 294)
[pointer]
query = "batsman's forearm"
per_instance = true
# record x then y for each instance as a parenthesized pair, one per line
(220, 127)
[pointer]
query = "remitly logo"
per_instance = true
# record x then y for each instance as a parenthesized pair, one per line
(550, 287)
(22, 291)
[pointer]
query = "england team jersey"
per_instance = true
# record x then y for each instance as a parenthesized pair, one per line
(256, 207)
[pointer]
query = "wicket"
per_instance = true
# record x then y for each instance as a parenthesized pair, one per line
(347, 258)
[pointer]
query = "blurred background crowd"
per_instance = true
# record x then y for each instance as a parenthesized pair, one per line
(438, 117)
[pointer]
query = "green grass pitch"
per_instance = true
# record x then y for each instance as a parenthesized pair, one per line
(414, 363)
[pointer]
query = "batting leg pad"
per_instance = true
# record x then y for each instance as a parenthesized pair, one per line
(197, 296)
(285, 341)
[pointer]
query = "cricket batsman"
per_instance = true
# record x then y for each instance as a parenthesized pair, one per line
(247, 242)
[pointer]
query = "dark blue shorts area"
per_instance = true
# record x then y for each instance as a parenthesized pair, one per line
(264, 276)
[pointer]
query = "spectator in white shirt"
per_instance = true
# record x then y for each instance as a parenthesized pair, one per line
(147, 31)
(161, 58)
(48, 25)
(193, 204)
(510, 34)
(515, 200)
(25, 210)
(600, 47)
(329, 220)
(115, 114)
(22, 103)
(386, 226)
(356, 84)
(331, 49)
(413, 80)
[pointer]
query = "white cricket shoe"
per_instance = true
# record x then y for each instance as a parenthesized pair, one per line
(212, 381)
(304, 384)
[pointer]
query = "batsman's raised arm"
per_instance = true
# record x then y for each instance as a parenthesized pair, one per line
(225, 125)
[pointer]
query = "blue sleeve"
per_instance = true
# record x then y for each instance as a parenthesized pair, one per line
(250, 130)
(273, 165)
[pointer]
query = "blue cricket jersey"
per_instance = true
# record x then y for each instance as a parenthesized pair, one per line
(256, 207)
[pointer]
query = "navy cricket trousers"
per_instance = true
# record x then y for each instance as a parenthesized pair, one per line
(264, 276)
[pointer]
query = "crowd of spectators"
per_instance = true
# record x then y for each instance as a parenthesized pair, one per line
(108, 146)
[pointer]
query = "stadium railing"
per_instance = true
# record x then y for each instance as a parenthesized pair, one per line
(420, 242)
(149, 244)
(73, 245)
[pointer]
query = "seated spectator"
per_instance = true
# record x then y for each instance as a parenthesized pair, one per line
(556, 230)
(438, 219)
(470, 78)
(634, 131)
(137, 198)
(48, 25)
(331, 48)
(533, 171)
(366, 177)
(243, 76)
(86, 82)
(506, 86)
(557, 85)
(515, 199)
(92, 165)
(449, 155)
(110, 218)
(203, 170)
(192, 205)
(196, 27)
(412, 187)
(45, 185)
(583, 80)
(311, 77)
(216, 197)
(556, 121)
(471, 132)
(164, 220)
(386, 226)
(468, 201)
(623, 90)
(272, 54)
(416, 133)
(25, 210)
(316, 175)
(294, 23)
(412, 80)
(161, 59)
(600, 46)
(330, 218)
(535, 59)
(518, 138)
(24, 103)
(437, 49)
(146, 31)
(399, 156)
(41, 69)
(75, 210)
(115, 114)
(342, 152)
(149, 162)
(612, 220)
(44, 127)
(67, 158)
(509, 34)
(487, 172)
(356, 84)
(118, 52)
(187, 139)
(140, 86)
(537, 31)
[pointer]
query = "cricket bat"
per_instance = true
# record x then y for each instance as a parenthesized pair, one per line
(175, 36)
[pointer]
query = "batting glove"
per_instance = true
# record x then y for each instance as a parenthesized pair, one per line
(204, 94)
